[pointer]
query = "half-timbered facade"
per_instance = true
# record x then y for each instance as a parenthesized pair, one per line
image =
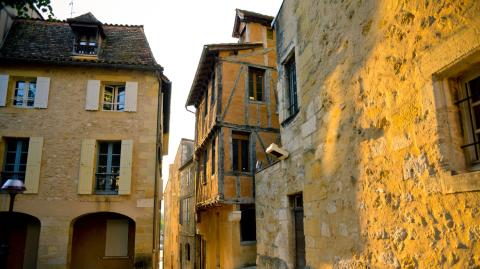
(236, 119)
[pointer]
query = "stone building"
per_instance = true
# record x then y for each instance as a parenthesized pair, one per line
(84, 115)
(233, 93)
(179, 204)
(378, 103)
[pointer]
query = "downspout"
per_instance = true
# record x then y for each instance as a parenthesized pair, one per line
(158, 147)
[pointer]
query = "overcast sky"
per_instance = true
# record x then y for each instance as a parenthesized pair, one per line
(176, 31)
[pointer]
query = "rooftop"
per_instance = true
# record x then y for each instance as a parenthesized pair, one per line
(206, 65)
(51, 42)
(249, 16)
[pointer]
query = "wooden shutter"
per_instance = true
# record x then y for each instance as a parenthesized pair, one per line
(87, 166)
(131, 89)
(93, 95)
(3, 89)
(34, 161)
(125, 180)
(41, 95)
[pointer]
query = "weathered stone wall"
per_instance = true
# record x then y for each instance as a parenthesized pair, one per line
(63, 126)
(369, 149)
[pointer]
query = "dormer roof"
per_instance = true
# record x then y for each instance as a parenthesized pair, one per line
(86, 18)
(249, 16)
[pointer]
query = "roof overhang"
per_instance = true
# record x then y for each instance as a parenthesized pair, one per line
(249, 16)
(206, 65)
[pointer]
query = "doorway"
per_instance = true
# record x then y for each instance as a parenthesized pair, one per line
(19, 235)
(103, 241)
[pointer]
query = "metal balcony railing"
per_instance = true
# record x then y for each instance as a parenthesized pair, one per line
(106, 183)
(11, 175)
(87, 49)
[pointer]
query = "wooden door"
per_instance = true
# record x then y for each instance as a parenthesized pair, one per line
(299, 233)
(89, 243)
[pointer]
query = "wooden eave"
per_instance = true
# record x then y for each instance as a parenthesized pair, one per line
(206, 65)
(249, 16)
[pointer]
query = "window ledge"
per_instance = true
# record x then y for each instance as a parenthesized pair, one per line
(256, 102)
(248, 243)
(464, 182)
(289, 119)
(115, 257)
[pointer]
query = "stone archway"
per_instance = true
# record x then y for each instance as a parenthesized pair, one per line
(103, 240)
(19, 235)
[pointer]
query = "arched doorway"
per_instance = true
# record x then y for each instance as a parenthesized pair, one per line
(103, 240)
(19, 234)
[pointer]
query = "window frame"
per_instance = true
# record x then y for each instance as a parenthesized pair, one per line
(108, 167)
(86, 49)
(239, 140)
(18, 173)
(292, 106)
(204, 167)
(468, 122)
(213, 155)
(253, 92)
(26, 98)
(115, 94)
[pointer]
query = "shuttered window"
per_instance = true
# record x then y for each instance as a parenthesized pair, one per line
(24, 92)
(111, 174)
(22, 160)
(256, 82)
(15, 159)
(114, 96)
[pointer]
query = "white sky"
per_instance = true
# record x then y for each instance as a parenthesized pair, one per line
(176, 31)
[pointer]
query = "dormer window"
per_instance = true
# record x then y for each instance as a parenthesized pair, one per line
(88, 34)
(86, 42)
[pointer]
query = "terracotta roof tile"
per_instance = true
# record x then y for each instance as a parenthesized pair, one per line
(52, 42)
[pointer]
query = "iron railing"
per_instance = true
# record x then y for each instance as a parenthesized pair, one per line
(106, 183)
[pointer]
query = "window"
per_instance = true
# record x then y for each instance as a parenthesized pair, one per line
(108, 167)
(86, 42)
(187, 209)
(256, 82)
(114, 98)
(212, 94)
(213, 156)
(270, 33)
(291, 87)
(180, 212)
(469, 106)
(15, 163)
(25, 91)
(240, 150)
(187, 251)
(204, 167)
(247, 223)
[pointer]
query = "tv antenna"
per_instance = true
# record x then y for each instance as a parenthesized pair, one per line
(71, 8)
